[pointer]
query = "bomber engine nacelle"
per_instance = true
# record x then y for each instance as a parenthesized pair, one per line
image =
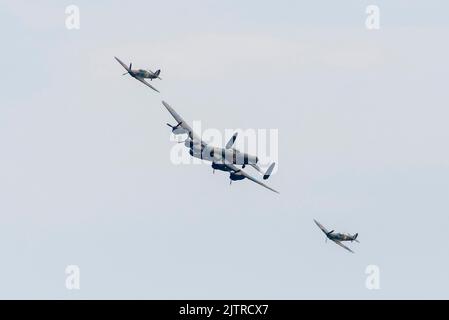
(234, 176)
(194, 152)
(219, 166)
(178, 129)
(198, 151)
(189, 143)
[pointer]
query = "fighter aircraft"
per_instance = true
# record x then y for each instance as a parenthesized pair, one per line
(224, 159)
(337, 237)
(141, 74)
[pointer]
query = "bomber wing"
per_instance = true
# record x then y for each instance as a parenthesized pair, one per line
(235, 169)
(181, 121)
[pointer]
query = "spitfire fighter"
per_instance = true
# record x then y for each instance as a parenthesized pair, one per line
(337, 237)
(141, 74)
(224, 159)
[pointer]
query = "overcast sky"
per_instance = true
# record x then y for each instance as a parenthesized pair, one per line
(85, 171)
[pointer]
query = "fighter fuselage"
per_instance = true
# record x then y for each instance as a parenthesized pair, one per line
(341, 237)
(143, 74)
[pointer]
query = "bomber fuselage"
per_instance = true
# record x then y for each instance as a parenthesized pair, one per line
(218, 155)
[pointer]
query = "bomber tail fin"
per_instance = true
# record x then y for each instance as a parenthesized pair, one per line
(231, 141)
(269, 171)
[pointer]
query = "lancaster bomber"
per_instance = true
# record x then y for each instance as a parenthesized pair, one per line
(141, 74)
(224, 159)
(337, 237)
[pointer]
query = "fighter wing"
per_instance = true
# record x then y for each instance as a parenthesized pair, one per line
(144, 82)
(246, 175)
(181, 121)
(342, 245)
(321, 227)
(123, 65)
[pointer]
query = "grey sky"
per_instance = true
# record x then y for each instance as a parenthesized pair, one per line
(86, 179)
